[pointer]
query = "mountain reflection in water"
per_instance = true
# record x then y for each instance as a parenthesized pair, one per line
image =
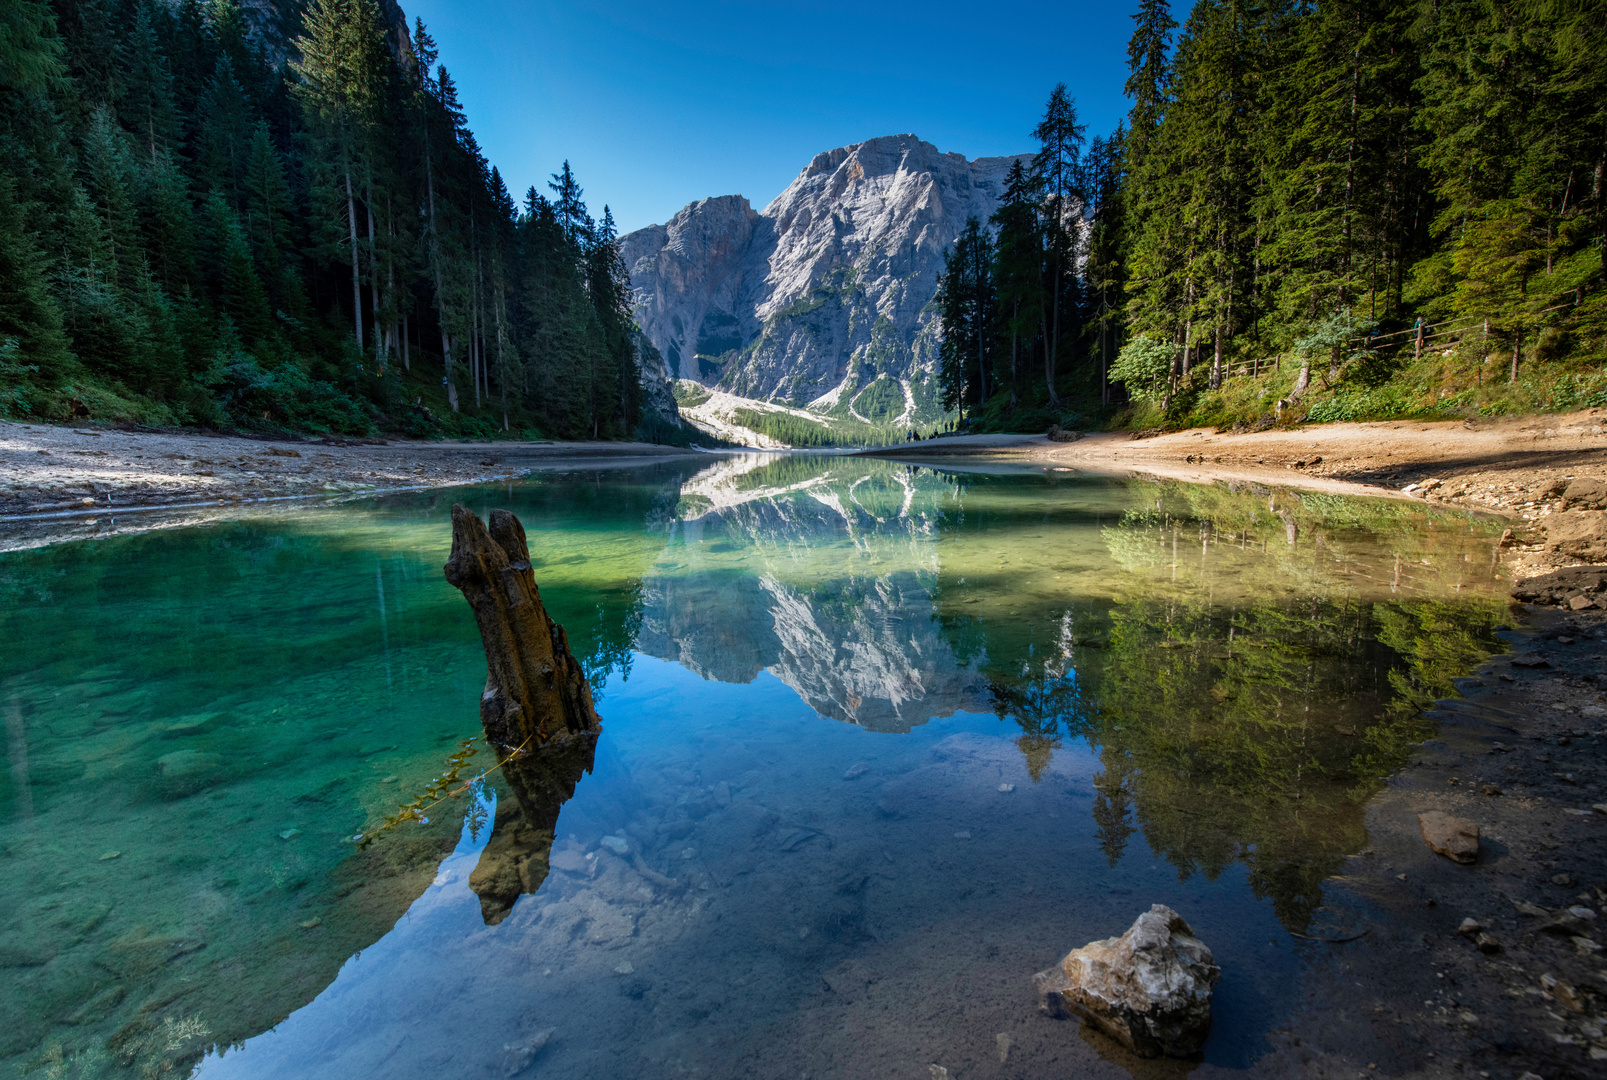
(1224, 674)
(1247, 665)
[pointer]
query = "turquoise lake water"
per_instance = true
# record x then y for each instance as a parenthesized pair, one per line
(879, 742)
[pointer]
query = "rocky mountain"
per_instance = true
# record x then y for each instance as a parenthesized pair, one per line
(823, 299)
(827, 582)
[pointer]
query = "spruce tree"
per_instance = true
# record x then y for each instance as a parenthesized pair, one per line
(1057, 170)
(1018, 270)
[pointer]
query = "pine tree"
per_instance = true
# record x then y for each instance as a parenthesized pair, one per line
(568, 207)
(1018, 269)
(1057, 170)
(29, 315)
(269, 207)
(1149, 70)
(146, 101)
(30, 51)
(966, 303)
(1104, 268)
(225, 134)
(343, 68)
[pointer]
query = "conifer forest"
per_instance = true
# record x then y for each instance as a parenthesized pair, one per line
(277, 217)
(1342, 209)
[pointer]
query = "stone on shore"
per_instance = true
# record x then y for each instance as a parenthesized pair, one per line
(1455, 838)
(1149, 989)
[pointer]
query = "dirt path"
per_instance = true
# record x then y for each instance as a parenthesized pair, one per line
(48, 470)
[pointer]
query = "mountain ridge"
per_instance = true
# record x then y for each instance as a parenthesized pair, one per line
(821, 300)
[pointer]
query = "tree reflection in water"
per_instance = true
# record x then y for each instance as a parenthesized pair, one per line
(1249, 679)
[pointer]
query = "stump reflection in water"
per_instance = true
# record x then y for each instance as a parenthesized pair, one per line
(536, 709)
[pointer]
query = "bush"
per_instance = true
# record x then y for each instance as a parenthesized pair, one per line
(1143, 366)
(245, 394)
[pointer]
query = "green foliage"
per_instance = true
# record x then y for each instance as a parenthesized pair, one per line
(1144, 365)
(1290, 177)
(319, 245)
(882, 401)
(794, 430)
(243, 394)
(690, 394)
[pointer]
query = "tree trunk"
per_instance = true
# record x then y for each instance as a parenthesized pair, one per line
(357, 283)
(502, 362)
(440, 290)
(535, 690)
(373, 276)
(1303, 380)
(536, 710)
(1517, 354)
(1051, 352)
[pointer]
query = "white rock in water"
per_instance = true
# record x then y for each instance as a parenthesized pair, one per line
(1149, 989)
(617, 843)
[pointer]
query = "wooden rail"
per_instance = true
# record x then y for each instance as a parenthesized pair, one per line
(1430, 335)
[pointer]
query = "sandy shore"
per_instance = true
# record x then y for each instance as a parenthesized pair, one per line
(47, 470)
(1519, 468)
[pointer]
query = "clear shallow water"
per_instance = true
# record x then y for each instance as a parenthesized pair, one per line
(878, 744)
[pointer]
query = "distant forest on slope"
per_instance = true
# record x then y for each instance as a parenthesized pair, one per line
(1338, 209)
(249, 217)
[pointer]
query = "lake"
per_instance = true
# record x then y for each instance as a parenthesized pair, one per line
(879, 742)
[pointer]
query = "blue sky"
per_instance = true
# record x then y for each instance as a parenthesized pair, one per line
(658, 104)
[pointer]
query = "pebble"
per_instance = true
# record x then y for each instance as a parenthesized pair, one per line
(109, 856)
(290, 834)
(625, 968)
(1007, 787)
(618, 844)
(1580, 912)
(963, 834)
(1470, 926)
(1002, 1042)
(1562, 879)
(855, 770)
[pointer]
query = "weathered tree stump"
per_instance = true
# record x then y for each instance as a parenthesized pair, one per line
(537, 708)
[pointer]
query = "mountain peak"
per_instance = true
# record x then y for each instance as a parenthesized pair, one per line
(825, 291)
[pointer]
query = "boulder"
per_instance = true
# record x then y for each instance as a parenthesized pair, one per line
(1149, 989)
(1455, 838)
(1060, 434)
(1563, 587)
(1578, 534)
(1583, 492)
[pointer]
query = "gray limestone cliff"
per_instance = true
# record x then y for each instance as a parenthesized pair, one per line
(824, 296)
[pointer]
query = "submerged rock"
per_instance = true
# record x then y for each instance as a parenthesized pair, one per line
(1455, 838)
(1149, 989)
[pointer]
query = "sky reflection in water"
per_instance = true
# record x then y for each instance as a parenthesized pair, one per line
(878, 744)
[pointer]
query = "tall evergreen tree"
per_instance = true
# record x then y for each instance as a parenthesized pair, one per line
(967, 303)
(1057, 168)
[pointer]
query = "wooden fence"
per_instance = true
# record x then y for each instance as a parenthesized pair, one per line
(1425, 338)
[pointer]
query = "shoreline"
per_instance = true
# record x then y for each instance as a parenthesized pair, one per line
(1408, 991)
(50, 471)
(1520, 468)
